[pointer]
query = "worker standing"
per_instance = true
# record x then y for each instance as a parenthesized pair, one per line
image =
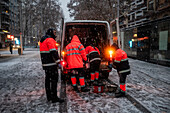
(75, 54)
(50, 61)
(93, 55)
(120, 63)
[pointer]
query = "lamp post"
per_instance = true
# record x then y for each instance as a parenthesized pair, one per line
(21, 43)
(117, 24)
(20, 13)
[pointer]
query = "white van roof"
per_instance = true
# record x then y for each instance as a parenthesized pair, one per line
(89, 21)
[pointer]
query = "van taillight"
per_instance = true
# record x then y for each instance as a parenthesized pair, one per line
(63, 63)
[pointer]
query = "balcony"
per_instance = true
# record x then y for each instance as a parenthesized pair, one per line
(5, 22)
(5, 4)
(163, 6)
(141, 20)
(3, 12)
(140, 2)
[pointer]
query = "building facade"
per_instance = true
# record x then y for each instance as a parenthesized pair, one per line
(146, 31)
(9, 22)
(14, 18)
(4, 22)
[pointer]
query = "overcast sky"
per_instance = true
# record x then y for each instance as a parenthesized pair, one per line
(65, 9)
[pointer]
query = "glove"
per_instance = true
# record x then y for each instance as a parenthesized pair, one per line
(110, 66)
(87, 65)
(85, 61)
(59, 65)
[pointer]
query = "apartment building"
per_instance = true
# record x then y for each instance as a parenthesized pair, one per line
(4, 22)
(146, 30)
(9, 22)
(14, 18)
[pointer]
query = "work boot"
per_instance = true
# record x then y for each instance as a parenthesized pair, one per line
(91, 83)
(57, 100)
(76, 89)
(119, 93)
(84, 89)
(48, 98)
(48, 95)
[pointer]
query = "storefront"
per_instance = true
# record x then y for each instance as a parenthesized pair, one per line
(149, 41)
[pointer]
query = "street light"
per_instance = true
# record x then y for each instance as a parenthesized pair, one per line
(118, 29)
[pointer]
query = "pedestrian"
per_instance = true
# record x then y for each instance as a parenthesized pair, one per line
(75, 54)
(10, 47)
(50, 61)
(93, 55)
(121, 64)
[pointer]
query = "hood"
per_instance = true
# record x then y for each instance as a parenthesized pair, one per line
(75, 39)
(50, 33)
(44, 37)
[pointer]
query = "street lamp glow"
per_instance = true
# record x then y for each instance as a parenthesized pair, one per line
(12, 37)
(5, 31)
(8, 36)
(135, 35)
(114, 32)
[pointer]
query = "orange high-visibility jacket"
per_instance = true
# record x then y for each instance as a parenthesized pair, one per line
(93, 53)
(75, 53)
(121, 62)
(48, 52)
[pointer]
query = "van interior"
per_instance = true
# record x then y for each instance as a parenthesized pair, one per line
(88, 32)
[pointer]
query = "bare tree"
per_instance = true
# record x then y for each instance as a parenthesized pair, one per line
(49, 14)
(40, 15)
(91, 9)
(95, 9)
(28, 9)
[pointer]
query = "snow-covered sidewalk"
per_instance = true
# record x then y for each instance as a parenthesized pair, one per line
(149, 84)
(22, 89)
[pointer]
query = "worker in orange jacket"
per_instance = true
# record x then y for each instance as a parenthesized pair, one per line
(50, 61)
(120, 62)
(93, 55)
(75, 54)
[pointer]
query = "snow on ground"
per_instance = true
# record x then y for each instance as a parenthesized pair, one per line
(149, 84)
(22, 89)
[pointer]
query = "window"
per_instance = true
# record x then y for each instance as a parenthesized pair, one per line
(163, 40)
(150, 7)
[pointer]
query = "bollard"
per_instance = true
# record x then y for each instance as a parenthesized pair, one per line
(19, 51)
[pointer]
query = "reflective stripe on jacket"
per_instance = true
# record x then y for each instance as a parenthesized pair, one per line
(121, 62)
(75, 53)
(93, 53)
(49, 53)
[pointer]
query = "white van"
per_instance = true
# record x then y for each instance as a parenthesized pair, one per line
(99, 31)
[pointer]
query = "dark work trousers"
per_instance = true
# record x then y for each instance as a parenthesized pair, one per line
(122, 78)
(94, 66)
(51, 79)
(122, 82)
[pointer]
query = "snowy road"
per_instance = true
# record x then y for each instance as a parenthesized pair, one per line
(149, 84)
(22, 89)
